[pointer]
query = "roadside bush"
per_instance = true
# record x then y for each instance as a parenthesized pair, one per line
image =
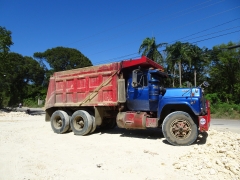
(31, 103)
(213, 109)
(225, 110)
(236, 107)
(213, 98)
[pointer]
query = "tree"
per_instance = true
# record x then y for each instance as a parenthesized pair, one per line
(176, 54)
(5, 41)
(149, 48)
(62, 58)
(22, 73)
(196, 70)
(224, 73)
(34, 72)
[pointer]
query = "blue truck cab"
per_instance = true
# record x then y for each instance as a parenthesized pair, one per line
(182, 113)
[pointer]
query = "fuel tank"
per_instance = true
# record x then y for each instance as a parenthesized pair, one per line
(135, 120)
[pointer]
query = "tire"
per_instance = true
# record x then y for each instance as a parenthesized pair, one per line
(81, 122)
(179, 129)
(69, 114)
(60, 122)
(94, 126)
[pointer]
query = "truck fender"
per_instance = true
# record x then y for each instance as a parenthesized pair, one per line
(178, 106)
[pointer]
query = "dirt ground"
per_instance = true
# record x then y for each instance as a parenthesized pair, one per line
(30, 150)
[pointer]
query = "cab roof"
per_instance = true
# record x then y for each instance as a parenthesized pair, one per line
(143, 62)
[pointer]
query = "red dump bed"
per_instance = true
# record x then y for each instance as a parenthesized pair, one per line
(90, 86)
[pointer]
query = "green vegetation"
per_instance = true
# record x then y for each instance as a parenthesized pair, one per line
(31, 103)
(149, 48)
(5, 41)
(25, 79)
(225, 110)
(61, 58)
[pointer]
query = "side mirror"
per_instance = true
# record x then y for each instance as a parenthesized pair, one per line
(134, 78)
(205, 83)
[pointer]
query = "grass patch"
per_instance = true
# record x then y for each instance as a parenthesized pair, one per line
(225, 111)
(31, 103)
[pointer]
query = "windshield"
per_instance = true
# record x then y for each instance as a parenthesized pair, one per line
(158, 78)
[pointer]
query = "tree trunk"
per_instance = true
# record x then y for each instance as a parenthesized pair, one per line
(195, 78)
(180, 73)
(173, 78)
(174, 72)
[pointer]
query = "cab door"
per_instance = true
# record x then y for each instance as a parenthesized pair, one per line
(138, 91)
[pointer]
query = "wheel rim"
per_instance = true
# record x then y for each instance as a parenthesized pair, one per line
(57, 123)
(78, 123)
(180, 128)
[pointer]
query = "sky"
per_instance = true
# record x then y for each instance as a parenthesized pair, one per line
(110, 30)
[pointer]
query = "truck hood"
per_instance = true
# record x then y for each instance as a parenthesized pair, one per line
(182, 92)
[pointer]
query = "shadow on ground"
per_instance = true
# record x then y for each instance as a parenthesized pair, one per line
(30, 111)
(138, 133)
(201, 139)
(152, 134)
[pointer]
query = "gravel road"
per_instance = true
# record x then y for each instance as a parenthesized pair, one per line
(30, 150)
(226, 125)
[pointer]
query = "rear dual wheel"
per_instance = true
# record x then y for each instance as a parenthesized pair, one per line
(94, 126)
(81, 122)
(60, 122)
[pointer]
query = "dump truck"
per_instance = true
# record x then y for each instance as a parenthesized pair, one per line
(129, 94)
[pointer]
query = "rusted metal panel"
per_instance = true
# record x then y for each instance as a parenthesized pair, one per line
(90, 86)
(151, 122)
(135, 120)
(51, 94)
(131, 120)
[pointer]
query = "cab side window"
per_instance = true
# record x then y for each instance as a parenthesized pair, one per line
(141, 79)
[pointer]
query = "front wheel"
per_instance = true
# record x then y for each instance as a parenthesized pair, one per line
(179, 129)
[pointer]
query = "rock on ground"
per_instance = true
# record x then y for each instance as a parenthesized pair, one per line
(218, 158)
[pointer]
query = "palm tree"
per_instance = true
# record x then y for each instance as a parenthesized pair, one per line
(176, 54)
(199, 60)
(149, 48)
(196, 57)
